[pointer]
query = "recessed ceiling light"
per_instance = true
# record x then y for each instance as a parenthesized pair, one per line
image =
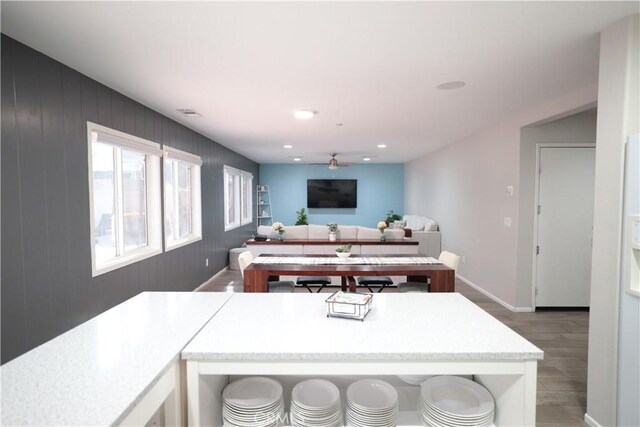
(456, 84)
(296, 159)
(382, 145)
(287, 146)
(304, 114)
(366, 159)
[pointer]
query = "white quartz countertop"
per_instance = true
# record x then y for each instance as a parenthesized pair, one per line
(95, 373)
(400, 327)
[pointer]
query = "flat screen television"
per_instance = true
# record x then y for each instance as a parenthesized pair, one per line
(332, 193)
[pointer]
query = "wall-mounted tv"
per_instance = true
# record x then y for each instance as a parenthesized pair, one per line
(332, 193)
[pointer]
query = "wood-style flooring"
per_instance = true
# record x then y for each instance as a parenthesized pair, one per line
(562, 335)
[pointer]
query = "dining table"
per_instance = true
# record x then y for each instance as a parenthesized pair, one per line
(269, 267)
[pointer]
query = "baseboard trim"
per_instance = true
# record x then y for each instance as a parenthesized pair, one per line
(495, 298)
(211, 279)
(591, 421)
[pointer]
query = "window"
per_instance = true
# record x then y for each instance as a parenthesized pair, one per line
(182, 198)
(238, 197)
(246, 216)
(124, 195)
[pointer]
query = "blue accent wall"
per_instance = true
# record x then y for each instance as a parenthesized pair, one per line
(380, 189)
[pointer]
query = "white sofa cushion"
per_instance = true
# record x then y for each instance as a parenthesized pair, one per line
(318, 232)
(347, 232)
(268, 231)
(420, 223)
(296, 232)
(366, 233)
(291, 232)
(394, 234)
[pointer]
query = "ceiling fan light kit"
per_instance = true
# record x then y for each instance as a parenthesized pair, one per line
(333, 163)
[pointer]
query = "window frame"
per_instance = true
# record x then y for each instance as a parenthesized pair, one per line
(248, 188)
(153, 214)
(194, 163)
(242, 176)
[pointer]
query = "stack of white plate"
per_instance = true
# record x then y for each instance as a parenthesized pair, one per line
(253, 401)
(454, 401)
(315, 403)
(372, 403)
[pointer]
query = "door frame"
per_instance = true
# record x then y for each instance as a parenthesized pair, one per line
(536, 202)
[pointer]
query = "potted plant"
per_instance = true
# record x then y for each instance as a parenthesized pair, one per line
(279, 227)
(302, 217)
(391, 217)
(333, 228)
(343, 251)
(381, 226)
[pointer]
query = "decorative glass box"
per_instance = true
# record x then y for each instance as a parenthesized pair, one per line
(349, 305)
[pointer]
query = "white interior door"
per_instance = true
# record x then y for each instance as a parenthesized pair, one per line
(565, 226)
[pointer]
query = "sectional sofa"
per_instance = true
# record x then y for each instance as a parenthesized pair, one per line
(321, 232)
(428, 240)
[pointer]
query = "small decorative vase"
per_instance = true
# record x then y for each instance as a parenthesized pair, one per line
(382, 236)
(281, 235)
(332, 236)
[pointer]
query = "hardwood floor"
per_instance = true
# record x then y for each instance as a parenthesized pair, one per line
(562, 335)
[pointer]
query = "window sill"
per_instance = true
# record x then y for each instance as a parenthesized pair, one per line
(124, 261)
(182, 242)
(234, 226)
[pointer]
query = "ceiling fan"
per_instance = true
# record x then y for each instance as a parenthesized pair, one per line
(333, 162)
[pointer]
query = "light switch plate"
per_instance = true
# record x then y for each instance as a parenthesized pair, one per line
(507, 221)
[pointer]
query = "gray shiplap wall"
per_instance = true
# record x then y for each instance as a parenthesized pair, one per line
(46, 283)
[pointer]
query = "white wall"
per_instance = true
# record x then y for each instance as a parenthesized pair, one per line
(462, 186)
(577, 128)
(618, 110)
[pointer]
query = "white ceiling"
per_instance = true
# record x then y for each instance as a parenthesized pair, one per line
(371, 66)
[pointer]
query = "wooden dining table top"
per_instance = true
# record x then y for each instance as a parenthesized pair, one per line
(344, 269)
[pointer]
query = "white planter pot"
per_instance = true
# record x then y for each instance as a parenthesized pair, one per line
(332, 236)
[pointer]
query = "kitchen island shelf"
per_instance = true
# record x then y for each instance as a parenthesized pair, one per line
(289, 337)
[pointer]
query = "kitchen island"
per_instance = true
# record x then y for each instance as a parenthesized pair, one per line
(119, 368)
(289, 337)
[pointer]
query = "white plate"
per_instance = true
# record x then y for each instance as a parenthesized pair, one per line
(250, 411)
(305, 421)
(258, 420)
(434, 422)
(373, 394)
(252, 392)
(462, 421)
(241, 415)
(373, 413)
(315, 394)
(439, 419)
(457, 397)
(367, 423)
(311, 414)
(414, 379)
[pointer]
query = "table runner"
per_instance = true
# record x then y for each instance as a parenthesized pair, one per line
(355, 260)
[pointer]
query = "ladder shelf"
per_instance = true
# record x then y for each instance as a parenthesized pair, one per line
(263, 205)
